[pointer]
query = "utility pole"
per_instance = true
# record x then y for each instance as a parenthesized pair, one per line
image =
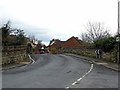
(118, 37)
(118, 17)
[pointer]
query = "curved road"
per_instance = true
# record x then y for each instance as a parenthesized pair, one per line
(59, 71)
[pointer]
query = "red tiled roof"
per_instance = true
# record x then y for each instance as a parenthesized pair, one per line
(71, 42)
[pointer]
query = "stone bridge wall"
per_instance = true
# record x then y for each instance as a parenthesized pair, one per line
(13, 54)
(111, 56)
(79, 51)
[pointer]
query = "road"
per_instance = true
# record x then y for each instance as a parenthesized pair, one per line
(60, 71)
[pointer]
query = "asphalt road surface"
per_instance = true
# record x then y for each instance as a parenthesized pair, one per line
(59, 71)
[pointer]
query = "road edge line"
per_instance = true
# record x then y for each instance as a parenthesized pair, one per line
(74, 55)
(32, 60)
(78, 80)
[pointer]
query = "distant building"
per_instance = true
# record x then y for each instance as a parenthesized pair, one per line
(56, 44)
(72, 42)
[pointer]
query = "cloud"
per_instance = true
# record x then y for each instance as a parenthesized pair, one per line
(60, 19)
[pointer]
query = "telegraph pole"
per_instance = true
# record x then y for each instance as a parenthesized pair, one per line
(118, 37)
(118, 17)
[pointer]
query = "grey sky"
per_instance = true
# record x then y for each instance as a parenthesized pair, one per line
(61, 19)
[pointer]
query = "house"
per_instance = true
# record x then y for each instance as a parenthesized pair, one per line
(54, 45)
(72, 42)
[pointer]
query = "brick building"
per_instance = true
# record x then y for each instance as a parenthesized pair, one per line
(70, 43)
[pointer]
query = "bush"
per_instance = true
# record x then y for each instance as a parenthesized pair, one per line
(106, 44)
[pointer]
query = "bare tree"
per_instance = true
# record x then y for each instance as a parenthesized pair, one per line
(32, 38)
(94, 32)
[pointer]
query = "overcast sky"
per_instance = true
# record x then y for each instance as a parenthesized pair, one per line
(48, 19)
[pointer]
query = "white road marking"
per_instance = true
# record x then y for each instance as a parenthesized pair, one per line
(101, 63)
(67, 88)
(33, 61)
(74, 83)
(78, 80)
